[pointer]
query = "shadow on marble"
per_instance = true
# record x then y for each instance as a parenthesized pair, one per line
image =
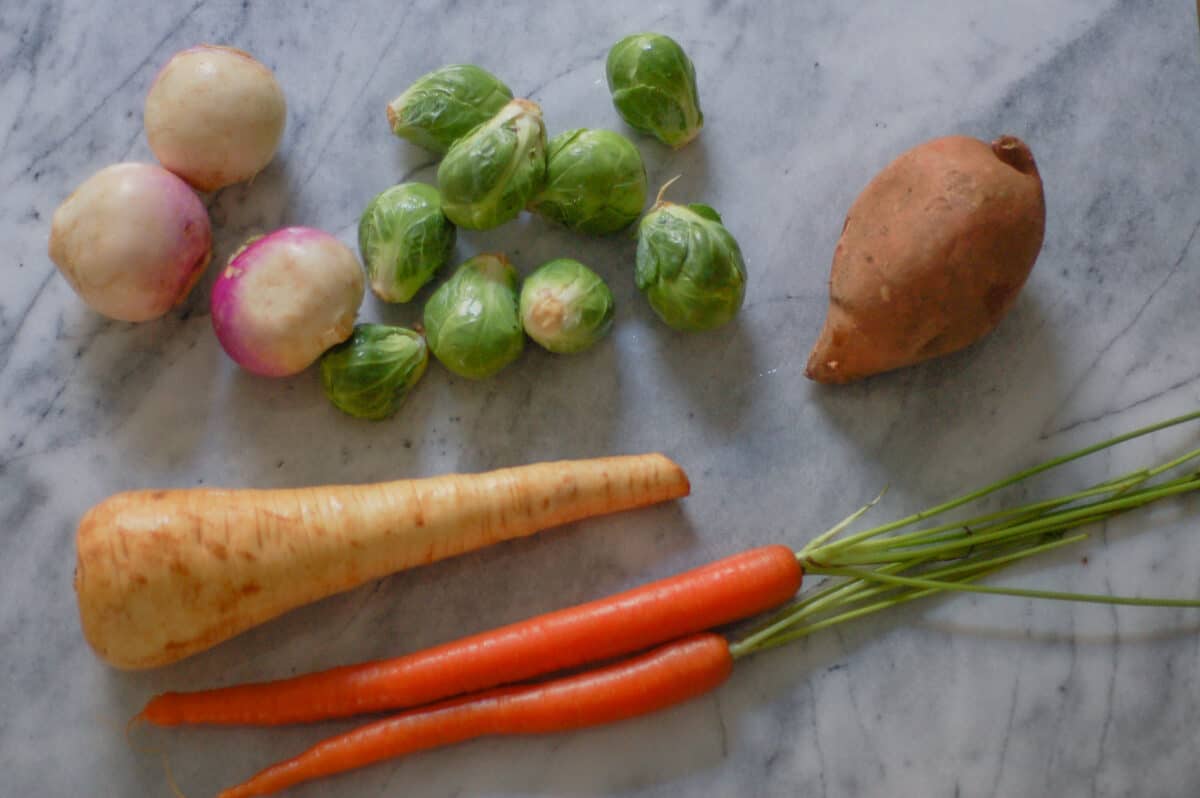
(708, 369)
(116, 379)
(689, 164)
(286, 432)
(253, 208)
(941, 416)
(410, 163)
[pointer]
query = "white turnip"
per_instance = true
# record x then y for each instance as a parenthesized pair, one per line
(285, 298)
(214, 116)
(132, 240)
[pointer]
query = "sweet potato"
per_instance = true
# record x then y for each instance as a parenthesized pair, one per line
(932, 255)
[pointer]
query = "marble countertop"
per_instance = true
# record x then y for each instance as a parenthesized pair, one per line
(978, 696)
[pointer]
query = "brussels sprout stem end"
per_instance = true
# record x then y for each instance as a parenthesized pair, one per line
(658, 199)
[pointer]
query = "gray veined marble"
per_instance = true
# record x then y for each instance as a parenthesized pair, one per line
(803, 103)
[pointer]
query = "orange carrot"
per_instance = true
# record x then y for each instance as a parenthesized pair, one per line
(163, 574)
(723, 591)
(655, 680)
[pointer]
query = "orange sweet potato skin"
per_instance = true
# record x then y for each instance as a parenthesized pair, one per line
(932, 256)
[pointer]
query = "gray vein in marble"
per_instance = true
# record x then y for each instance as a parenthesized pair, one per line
(816, 737)
(860, 717)
(1002, 755)
(1134, 367)
(9, 341)
(803, 103)
(383, 53)
(1109, 699)
(153, 55)
(593, 60)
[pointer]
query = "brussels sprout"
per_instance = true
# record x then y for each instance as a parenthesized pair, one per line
(472, 322)
(369, 374)
(488, 176)
(689, 266)
(653, 85)
(445, 105)
(595, 182)
(404, 238)
(565, 306)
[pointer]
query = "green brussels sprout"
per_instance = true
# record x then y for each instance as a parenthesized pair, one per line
(565, 306)
(369, 374)
(653, 85)
(445, 105)
(595, 182)
(472, 322)
(404, 238)
(689, 266)
(491, 174)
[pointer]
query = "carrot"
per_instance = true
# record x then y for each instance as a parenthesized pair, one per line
(164, 574)
(729, 589)
(669, 675)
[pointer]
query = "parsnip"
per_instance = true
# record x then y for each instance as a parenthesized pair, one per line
(163, 574)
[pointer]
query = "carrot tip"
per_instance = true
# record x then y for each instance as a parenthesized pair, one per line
(152, 751)
(138, 718)
(171, 777)
(153, 713)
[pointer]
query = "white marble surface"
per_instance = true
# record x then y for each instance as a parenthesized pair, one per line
(803, 102)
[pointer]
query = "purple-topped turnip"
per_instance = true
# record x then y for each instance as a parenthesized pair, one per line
(131, 240)
(285, 298)
(214, 116)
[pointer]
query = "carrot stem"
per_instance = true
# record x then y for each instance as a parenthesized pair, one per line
(900, 567)
(1020, 476)
(860, 588)
(954, 529)
(1119, 486)
(831, 594)
(1054, 595)
(1010, 532)
(791, 631)
(837, 528)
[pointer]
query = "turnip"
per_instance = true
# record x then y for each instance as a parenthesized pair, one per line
(214, 116)
(285, 298)
(132, 240)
